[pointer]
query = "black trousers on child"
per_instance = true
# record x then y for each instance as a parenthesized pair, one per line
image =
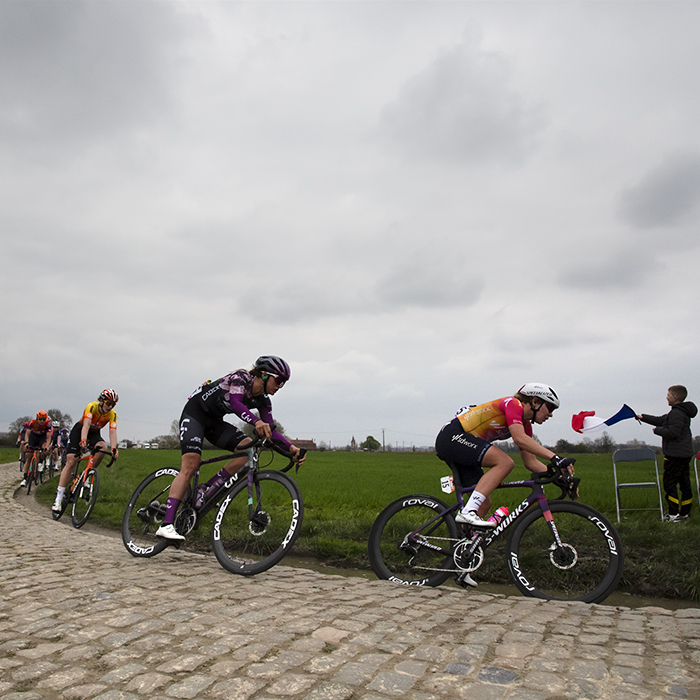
(677, 474)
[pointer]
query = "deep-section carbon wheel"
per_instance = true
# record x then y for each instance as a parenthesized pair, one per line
(32, 472)
(411, 544)
(85, 497)
(145, 512)
(585, 566)
(248, 545)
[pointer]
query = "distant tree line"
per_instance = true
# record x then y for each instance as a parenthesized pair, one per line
(58, 419)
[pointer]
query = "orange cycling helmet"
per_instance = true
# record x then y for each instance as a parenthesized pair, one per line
(109, 395)
(42, 415)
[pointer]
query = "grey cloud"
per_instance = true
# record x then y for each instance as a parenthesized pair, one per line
(666, 195)
(627, 268)
(423, 282)
(314, 293)
(72, 69)
(461, 109)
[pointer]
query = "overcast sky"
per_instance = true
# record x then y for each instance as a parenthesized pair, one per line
(419, 205)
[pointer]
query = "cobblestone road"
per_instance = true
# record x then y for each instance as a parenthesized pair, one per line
(80, 618)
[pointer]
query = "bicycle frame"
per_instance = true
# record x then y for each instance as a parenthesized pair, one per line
(90, 458)
(248, 470)
(484, 538)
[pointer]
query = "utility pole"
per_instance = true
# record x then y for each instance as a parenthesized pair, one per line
(383, 445)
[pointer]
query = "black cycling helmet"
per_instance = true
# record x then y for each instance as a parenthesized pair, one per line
(276, 366)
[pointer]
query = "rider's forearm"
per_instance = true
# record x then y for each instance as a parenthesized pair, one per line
(527, 444)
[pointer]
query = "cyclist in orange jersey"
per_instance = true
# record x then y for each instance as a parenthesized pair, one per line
(86, 433)
(466, 442)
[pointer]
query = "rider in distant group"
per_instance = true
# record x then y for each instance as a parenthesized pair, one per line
(86, 433)
(37, 436)
(466, 442)
(203, 417)
(22, 443)
(63, 445)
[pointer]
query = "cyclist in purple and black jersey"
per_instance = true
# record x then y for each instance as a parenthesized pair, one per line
(240, 393)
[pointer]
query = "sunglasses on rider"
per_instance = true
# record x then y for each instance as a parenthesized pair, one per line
(109, 404)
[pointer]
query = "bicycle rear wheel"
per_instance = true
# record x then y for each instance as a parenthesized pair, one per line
(85, 497)
(586, 567)
(145, 512)
(406, 547)
(247, 546)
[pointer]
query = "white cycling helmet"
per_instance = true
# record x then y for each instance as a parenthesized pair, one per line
(540, 391)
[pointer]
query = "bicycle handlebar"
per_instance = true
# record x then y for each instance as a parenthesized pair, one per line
(96, 450)
(567, 483)
(267, 443)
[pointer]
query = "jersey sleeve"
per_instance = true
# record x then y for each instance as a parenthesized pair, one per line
(266, 415)
(513, 411)
(235, 400)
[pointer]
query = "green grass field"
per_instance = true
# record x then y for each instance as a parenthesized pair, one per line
(343, 493)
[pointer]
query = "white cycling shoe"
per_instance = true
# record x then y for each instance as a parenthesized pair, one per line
(471, 517)
(169, 533)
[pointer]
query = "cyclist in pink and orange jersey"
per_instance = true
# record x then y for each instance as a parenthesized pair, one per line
(466, 442)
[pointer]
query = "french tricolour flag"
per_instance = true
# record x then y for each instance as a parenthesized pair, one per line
(586, 422)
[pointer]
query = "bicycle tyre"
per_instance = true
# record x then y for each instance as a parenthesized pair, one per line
(144, 514)
(40, 474)
(31, 472)
(587, 568)
(84, 498)
(411, 567)
(248, 547)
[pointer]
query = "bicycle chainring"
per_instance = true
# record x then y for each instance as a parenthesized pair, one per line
(186, 520)
(465, 559)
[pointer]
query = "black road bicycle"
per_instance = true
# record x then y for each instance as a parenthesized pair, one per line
(35, 471)
(554, 549)
(258, 512)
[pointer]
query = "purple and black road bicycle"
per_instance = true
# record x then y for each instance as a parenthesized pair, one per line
(258, 512)
(556, 550)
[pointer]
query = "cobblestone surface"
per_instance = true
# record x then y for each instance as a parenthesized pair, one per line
(80, 619)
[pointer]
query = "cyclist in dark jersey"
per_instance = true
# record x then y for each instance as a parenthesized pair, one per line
(37, 437)
(239, 393)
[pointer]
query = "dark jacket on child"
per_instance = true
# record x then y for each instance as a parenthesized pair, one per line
(674, 429)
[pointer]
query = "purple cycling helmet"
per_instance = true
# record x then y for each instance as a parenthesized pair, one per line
(276, 366)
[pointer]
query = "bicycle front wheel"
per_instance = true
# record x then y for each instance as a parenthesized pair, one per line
(412, 543)
(32, 472)
(586, 566)
(85, 497)
(246, 544)
(145, 512)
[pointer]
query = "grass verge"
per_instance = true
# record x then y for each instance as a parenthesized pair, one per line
(343, 493)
